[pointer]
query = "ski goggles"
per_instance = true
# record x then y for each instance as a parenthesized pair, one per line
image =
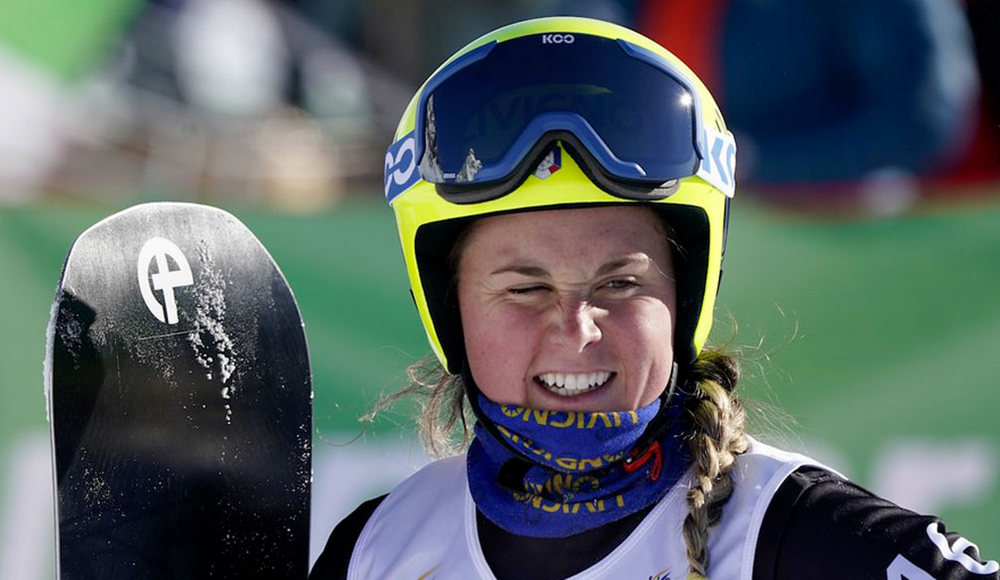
(482, 117)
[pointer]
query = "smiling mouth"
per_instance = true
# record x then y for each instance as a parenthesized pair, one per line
(572, 384)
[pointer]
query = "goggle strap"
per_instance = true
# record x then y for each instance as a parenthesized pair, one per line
(400, 166)
(718, 162)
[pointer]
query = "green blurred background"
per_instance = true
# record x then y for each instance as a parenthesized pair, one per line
(875, 340)
(870, 328)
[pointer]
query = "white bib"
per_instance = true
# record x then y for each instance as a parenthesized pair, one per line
(426, 528)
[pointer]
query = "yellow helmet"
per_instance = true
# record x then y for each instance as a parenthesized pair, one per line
(560, 112)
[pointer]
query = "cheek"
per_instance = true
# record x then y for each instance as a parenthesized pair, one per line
(646, 349)
(499, 351)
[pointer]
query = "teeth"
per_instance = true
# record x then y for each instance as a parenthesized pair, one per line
(569, 384)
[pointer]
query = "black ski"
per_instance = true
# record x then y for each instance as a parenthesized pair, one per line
(179, 395)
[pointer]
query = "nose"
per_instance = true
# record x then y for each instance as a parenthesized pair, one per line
(575, 325)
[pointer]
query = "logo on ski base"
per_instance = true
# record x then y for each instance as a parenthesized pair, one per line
(163, 279)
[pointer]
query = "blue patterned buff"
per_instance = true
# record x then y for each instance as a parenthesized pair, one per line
(552, 474)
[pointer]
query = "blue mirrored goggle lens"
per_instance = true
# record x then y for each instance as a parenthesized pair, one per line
(478, 121)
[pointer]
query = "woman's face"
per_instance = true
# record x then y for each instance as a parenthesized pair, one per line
(569, 309)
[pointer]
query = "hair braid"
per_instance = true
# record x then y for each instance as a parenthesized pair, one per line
(718, 420)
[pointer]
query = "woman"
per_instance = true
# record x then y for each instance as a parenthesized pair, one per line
(561, 188)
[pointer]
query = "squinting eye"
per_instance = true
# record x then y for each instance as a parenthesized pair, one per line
(621, 284)
(520, 290)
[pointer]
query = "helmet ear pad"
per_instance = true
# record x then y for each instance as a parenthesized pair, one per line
(688, 232)
(437, 247)
(437, 256)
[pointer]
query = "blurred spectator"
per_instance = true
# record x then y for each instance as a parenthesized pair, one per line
(981, 162)
(232, 57)
(43, 56)
(833, 101)
(32, 126)
(837, 104)
(850, 99)
(248, 101)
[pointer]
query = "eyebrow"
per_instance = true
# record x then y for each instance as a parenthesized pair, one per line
(532, 271)
(624, 261)
(612, 266)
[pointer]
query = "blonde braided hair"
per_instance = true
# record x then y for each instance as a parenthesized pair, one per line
(719, 435)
